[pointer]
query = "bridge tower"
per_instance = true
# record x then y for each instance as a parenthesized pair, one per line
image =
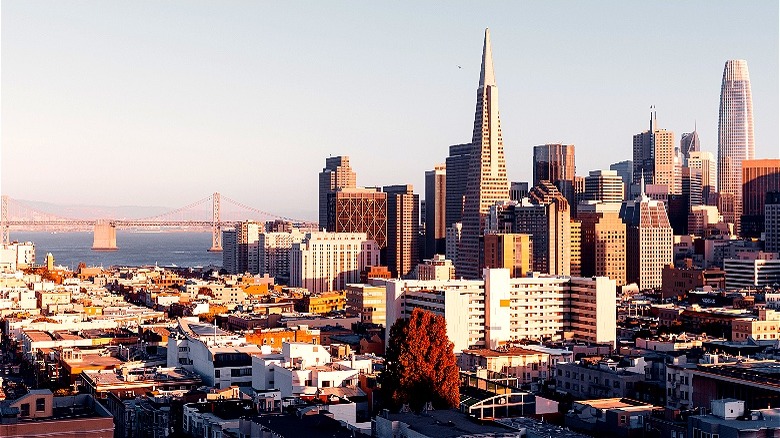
(104, 236)
(4, 221)
(216, 228)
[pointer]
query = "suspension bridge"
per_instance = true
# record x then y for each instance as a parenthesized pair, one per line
(206, 213)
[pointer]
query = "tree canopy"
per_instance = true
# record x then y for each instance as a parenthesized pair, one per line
(421, 365)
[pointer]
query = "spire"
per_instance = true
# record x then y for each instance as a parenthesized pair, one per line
(486, 75)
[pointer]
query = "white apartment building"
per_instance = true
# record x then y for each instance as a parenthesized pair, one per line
(274, 252)
(325, 261)
(220, 358)
(368, 302)
(491, 312)
(752, 271)
(305, 369)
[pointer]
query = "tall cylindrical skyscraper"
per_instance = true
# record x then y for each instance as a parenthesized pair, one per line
(735, 134)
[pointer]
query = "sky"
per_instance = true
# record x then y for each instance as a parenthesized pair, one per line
(162, 103)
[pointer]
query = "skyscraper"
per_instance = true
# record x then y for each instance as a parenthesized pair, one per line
(735, 134)
(358, 210)
(689, 142)
(654, 157)
(649, 240)
(403, 226)
(604, 186)
(336, 175)
(555, 163)
(487, 181)
(705, 163)
(435, 206)
(457, 165)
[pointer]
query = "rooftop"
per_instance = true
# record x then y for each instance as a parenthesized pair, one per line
(450, 423)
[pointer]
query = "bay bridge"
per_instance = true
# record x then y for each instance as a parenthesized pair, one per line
(206, 213)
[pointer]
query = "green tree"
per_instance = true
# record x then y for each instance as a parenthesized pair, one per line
(421, 365)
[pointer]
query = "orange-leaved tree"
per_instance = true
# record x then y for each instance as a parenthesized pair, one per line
(421, 365)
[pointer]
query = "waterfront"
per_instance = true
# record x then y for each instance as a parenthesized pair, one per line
(182, 249)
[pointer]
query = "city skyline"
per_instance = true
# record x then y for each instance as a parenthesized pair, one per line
(172, 108)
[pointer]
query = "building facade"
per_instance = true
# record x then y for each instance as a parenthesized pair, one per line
(325, 261)
(337, 174)
(487, 181)
(735, 134)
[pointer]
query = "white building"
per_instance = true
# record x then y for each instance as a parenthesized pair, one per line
(490, 312)
(274, 252)
(222, 359)
(305, 369)
(752, 271)
(325, 261)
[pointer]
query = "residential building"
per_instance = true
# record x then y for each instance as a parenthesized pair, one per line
(247, 237)
(367, 302)
(736, 141)
(39, 414)
(325, 261)
(230, 251)
(437, 268)
(752, 270)
(499, 309)
(487, 182)
(765, 326)
(730, 419)
(452, 241)
(600, 378)
(274, 253)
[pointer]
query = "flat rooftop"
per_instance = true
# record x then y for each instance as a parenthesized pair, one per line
(450, 423)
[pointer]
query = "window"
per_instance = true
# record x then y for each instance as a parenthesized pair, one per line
(40, 404)
(216, 374)
(24, 410)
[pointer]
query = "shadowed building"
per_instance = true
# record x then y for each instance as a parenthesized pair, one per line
(435, 210)
(555, 163)
(758, 178)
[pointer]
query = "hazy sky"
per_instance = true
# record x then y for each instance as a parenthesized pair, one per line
(163, 103)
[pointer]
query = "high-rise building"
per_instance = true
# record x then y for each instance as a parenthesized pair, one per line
(229, 251)
(705, 163)
(603, 236)
(487, 181)
(358, 210)
(654, 157)
(274, 253)
(604, 186)
(758, 178)
(545, 215)
(555, 163)
(403, 229)
(247, 237)
(510, 251)
(625, 169)
(649, 241)
(324, 261)
(575, 247)
(336, 175)
(518, 190)
(689, 142)
(457, 165)
(454, 233)
(435, 211)
(499, 309)
(735, 134)
(772, 224)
